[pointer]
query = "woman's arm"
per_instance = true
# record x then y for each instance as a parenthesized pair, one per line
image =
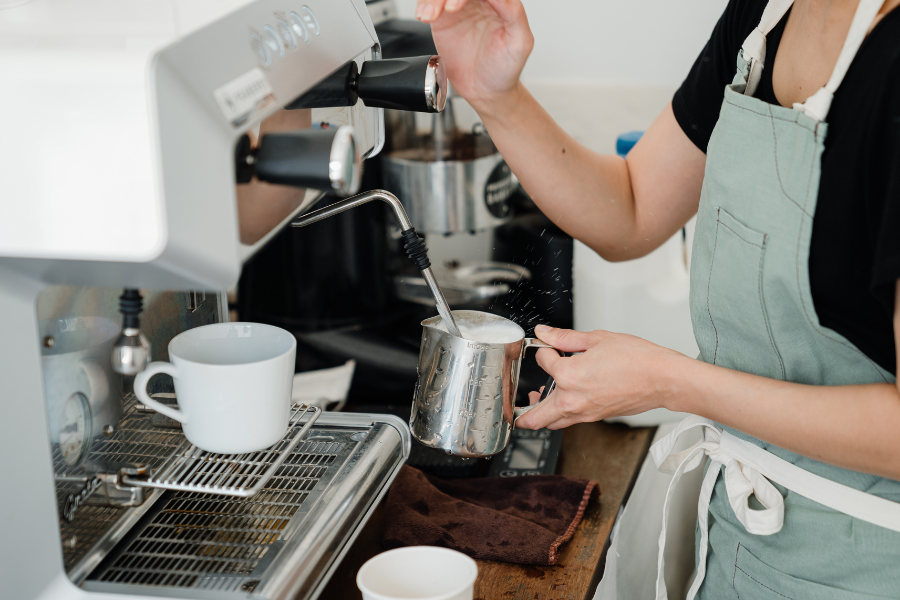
(856, 427)
(621, 208)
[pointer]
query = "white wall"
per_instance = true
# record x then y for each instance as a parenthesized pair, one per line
(637, 42)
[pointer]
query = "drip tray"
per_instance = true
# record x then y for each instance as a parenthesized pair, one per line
(282, 542)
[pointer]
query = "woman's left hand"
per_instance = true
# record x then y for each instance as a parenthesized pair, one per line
(616, 375)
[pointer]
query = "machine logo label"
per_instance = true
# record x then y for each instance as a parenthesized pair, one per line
(242, 97)
(498, 189)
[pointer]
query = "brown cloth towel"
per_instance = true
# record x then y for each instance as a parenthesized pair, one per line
(509, 519)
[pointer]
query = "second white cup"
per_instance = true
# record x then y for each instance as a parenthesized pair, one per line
(418, 573)
(233, 384)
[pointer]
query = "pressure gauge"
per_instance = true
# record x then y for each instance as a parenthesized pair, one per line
(75, 429)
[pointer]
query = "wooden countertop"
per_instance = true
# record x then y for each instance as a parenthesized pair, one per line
(608, 454)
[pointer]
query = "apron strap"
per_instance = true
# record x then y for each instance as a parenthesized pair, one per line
(748, 471)
(818, 105)
(754, 47)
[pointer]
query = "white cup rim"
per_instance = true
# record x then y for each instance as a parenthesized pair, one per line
(373, 563)
(175, 355)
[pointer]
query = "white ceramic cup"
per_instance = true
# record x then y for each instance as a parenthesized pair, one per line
(233, 384)
(418, 573)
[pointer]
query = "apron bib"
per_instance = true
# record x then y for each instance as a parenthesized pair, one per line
(777, 525)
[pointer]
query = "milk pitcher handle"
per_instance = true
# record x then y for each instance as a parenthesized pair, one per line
(548, 387)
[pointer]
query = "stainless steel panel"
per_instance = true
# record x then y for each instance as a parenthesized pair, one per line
(451, 196)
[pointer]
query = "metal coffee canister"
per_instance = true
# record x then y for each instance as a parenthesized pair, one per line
(464, 403)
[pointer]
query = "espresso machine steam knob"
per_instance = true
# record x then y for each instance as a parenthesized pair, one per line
(324, 159)
(416, 84)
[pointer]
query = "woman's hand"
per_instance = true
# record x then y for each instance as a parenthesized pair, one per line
(616, 375)
(484, 45)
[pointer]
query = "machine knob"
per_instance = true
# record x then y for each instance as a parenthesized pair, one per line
(416, 84)
(324, 159)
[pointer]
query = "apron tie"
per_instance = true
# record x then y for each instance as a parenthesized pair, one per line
(748, 471)
(741, 480)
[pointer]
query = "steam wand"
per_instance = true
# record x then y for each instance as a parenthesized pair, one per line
(415, 247)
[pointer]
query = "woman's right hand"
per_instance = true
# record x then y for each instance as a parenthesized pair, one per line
(484, 45)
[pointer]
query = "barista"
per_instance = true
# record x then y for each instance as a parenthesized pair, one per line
(785, 141)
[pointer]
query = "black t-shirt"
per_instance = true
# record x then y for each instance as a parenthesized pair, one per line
(854, 259)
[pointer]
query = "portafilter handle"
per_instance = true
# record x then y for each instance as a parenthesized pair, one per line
(326, 158)
(414, 245)
(417, 83)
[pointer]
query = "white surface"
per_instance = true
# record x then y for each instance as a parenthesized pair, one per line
(613, 41)
(324, 386)
(631, 559)
(233, 384)
(418, 573)
(78, 85)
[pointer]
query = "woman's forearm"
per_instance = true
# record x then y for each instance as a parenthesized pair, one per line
(586, 194)
(855, 427)
(622, 209)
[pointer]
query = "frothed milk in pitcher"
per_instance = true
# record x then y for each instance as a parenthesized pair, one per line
(491, 332)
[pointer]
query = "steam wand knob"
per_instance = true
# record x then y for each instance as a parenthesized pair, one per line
(416, 83)
(132, 350)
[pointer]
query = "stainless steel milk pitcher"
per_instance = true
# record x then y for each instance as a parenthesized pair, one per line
(464, 403)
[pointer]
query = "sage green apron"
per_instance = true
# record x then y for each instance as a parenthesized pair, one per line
(752, 311)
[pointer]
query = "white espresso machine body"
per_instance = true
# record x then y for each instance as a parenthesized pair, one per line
(122, 121)
(118, 170)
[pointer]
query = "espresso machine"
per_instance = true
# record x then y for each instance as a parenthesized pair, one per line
(351, 293)
(152, 149)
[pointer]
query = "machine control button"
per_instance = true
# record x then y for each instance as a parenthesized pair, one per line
(260, 49)
(285, 31)
(508, 473)
(273, 41)
(299, 29)
(310, 19)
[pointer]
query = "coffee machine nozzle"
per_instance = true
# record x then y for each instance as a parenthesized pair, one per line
(131, 351)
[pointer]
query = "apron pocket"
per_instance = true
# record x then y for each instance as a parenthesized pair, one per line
(755, 580)
(735, 304)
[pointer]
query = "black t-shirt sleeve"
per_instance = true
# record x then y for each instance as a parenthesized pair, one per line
(697, 102)
(885, 166)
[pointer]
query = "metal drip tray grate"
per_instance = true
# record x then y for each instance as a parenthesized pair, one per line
(135, 440)
(219, 543)
(176, 464)
(190, 469)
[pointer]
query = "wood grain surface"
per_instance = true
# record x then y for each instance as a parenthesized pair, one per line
(608, 454)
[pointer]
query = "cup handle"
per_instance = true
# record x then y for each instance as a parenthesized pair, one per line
(140, 390)
(548, 387)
